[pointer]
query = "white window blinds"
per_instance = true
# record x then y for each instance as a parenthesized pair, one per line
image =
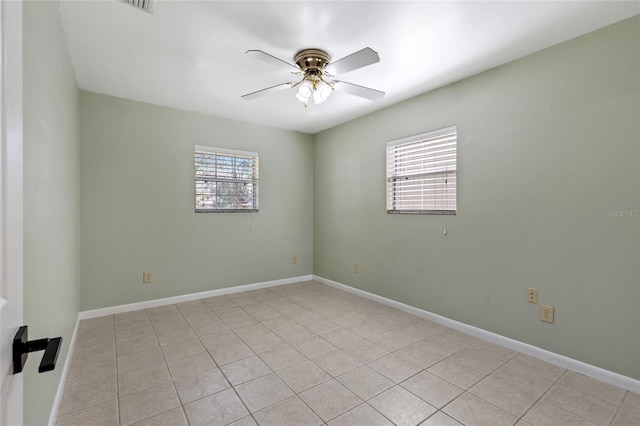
(421, 173)
(225, 180)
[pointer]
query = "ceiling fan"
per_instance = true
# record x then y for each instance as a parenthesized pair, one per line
(318, 73)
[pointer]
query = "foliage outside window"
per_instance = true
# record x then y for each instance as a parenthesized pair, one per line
(225, 180)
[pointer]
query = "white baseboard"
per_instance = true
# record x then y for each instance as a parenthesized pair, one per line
(560, 360)
(187, 297)
(63, 377)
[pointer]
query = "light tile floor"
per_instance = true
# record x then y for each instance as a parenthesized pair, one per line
(308, 354)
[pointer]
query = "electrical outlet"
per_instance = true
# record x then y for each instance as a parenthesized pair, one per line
(294, 260)
(532, 295)
(356, 268)
(147, 277)
(546, 313)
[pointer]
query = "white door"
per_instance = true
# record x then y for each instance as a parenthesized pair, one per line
(10, 207)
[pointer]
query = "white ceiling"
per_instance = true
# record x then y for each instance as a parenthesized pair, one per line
(191, 54)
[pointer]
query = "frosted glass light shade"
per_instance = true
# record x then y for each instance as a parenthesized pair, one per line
(322, 92)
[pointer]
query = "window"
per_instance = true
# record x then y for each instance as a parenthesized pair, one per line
(226, 180)
(421, 173)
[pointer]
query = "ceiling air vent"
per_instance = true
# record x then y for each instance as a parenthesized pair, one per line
(146, 5)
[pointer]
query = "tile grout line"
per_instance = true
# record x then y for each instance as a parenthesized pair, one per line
(542, 396)
(218, 366)
(279, 378)
(618, 408)
(325, 422)
(394, 383)
(467, 389)
(166, 365)
(71, 355)
(115, 349)
(235, 391)
(331, 377)
(619, 405)
(199, 341)
(296, 394)
(184, 412)
(225, 376)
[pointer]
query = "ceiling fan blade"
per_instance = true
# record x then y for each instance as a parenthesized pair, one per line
(267, 91)
(361, 91)
(265, 57)
(359, 59)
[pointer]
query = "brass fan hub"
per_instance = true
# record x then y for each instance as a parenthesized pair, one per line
(312, 61)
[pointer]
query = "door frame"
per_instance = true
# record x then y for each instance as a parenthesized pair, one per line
(11, 208)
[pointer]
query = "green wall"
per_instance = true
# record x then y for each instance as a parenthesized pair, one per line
(137, 204)
(548, 150)
(51, 198)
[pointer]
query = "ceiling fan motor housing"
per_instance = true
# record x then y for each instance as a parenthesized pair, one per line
(312, 61)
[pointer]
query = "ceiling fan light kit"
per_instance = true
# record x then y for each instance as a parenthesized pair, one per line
(317, 70)
(312, 62)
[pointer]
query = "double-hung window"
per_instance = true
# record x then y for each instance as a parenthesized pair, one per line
(225, 180)
(421, 173)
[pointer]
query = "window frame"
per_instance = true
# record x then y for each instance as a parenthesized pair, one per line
(443, 172)
(231, 153)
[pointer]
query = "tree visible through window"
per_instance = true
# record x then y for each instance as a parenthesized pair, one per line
(421, 173)
(225, 180)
